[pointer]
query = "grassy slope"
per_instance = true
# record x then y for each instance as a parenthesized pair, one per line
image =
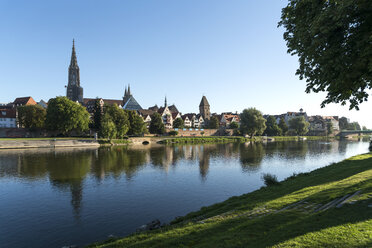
(349, 226)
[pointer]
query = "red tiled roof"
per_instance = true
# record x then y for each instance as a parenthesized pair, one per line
(24, 101)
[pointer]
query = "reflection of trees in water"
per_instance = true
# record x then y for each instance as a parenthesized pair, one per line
(251, 155)
(69, 172)
(118, 160)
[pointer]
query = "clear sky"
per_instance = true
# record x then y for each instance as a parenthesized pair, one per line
(230, 51)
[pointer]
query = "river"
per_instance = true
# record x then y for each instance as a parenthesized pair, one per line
(57, 197)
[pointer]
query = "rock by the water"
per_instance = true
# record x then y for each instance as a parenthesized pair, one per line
(155, 224)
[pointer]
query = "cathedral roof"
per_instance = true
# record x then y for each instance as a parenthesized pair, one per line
(204, 102)
(131, 104)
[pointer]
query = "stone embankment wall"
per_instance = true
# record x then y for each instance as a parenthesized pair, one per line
(207, 132)
(22, 144)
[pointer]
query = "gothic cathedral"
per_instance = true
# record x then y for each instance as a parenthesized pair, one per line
(74, 90)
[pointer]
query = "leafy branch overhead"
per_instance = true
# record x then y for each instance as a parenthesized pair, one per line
(333, 40)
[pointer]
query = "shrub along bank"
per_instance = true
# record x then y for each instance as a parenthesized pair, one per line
(297, 212)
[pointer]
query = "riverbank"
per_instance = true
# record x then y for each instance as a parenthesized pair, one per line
(23, 143)
(47, 143)
(305, 210)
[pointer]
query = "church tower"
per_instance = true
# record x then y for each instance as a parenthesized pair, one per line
(204, 109)
(74, 90)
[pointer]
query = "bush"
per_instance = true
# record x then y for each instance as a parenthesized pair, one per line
(269, 179)
(173, 133)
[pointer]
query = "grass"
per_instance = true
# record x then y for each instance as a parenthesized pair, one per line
(227, 226)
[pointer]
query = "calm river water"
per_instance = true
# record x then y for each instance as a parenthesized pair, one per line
(52, 198)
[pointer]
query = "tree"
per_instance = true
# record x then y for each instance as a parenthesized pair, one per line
(272, 128)
(299, 125)
(120, 119)
(234, 125)
(97, 115)
(178, 123)
(354, 126)
(329, 127)
(137, 125)
(108, 127)
(364, 128)
(332, 40)
(156, 124)
(64, 115)
(283, 126)
(343, 123)
(214, 123)
(252, 122)
(31, 116)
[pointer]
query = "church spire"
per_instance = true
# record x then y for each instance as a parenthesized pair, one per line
(129, 89)
(165, 102)
(73, 62)
(125, 92)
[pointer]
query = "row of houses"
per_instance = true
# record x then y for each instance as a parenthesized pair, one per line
(318, 123)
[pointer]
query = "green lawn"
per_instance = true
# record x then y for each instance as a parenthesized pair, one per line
(253, 220)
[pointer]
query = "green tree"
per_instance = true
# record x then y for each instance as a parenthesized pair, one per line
(343, 123)
(108, 127)
(333, 42)
(272, 128)
(299, 125)
(31, 116)
(353, 126)
(234, 125)
(137, 125)
(178, 123)
(64, 115)
(364, 128)
(283, 126)
(119, 117)
(329, 127)
(214, 123)
(156, 124)
(97, 115)
(252, 122)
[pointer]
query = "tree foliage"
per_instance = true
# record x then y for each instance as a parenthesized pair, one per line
(214, 123)
(299, 125)
(136, 123)
(178, 123)
(333, 41)
(272, 128)
(108, 127)
(252, 122)
(120, 119)
(31, 116)
(234, 125)
(97, 114)
(156, 124)
(343, 123)
(283, 126)
(64, 115)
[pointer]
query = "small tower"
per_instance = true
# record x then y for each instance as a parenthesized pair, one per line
(165, 102)
(74, 90)
(204, 109)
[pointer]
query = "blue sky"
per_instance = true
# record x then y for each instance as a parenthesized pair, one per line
(230, 51)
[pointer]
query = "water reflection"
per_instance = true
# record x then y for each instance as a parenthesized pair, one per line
(66, 169)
